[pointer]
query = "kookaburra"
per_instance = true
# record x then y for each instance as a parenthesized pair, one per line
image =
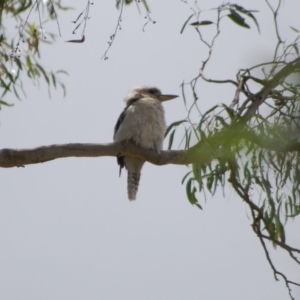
(142, 122)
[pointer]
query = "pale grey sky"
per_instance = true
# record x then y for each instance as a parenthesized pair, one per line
(68, 231)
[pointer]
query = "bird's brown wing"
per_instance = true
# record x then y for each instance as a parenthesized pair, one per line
(123, 114)
(120, 159)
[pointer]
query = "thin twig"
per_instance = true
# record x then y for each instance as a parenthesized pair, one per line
(56, 17)
(112, 37)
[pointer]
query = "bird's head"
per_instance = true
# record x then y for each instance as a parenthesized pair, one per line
(152, 92)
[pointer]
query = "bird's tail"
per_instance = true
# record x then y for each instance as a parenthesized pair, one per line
(134, 167)
(133, 180)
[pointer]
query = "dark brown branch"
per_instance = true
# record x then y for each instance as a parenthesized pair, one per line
(282, 245)
(275, 271)
(220, 81)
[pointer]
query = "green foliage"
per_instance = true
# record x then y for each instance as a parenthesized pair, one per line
(15, 63)
(128, 2)
(191, 191)
(252, 154)
(257, 153)
(237, 18)
(273, 175)
(233, 11)
(237, 8)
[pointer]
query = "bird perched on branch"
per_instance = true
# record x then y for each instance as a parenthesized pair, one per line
(142, 122)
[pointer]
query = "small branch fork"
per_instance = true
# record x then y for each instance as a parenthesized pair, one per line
(259, 98)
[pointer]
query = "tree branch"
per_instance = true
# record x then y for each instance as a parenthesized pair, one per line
(261, 96)
(203, 152)
(20, 157)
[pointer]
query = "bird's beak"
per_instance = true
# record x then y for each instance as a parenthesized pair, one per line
(167, 97)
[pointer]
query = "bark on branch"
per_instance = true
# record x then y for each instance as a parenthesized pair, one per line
(20, 157)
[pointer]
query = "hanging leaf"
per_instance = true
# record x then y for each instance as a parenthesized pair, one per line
(229, 112)
(183, 93)
(185, 23)
(190, 192)
(118, 2)
(171, 139)
(128, 2)
(174, 124)
(296, 49)
(46, 77)
(205, 115)
(77, 41)
(188, 135)
(237, 18)
(5, 103)
(202, 23)
(247, 13)
(294, 29)
(146, 5)
(31, 72)
(185, 177)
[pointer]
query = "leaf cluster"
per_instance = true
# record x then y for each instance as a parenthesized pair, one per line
(21, 54)
(254, 141)
(234, 12)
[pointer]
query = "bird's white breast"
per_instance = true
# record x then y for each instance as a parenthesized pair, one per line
(144, 123)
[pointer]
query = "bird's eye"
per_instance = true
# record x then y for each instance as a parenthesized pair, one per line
(152, 91)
